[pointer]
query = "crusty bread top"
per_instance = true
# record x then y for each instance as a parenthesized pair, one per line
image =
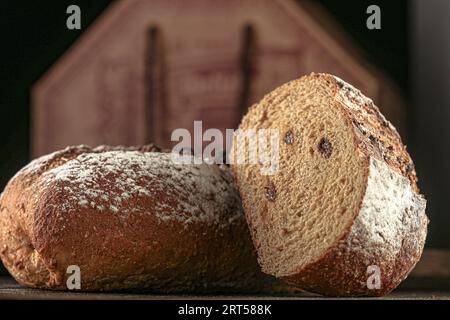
(105, 178)
(54, 159)
(377, 136)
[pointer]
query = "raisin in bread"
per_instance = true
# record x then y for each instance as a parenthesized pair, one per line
(130, 219)
(344, 203)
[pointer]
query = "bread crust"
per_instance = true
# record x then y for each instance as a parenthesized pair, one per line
(375, 135)
(343, 269)
(204, 249)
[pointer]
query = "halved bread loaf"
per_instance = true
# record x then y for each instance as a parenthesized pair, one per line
(344, 200)
(129, 218)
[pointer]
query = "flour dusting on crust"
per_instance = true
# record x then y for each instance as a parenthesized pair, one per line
(390, 213)
(115, 181)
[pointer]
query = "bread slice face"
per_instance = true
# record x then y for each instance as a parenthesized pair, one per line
(344, 198)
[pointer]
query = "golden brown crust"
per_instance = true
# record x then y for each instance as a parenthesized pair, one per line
(377, 137)
(42, 231)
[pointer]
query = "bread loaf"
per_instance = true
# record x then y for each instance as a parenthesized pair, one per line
(129, 218)
(342, 216)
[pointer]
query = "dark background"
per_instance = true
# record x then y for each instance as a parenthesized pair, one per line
(34, 35)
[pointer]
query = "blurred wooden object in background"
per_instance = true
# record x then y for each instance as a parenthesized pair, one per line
(147, 67)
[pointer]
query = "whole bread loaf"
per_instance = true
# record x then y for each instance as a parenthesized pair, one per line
(129, 218)
(342, 216)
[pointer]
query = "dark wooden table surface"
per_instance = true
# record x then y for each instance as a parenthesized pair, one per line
(429, 280)
(9, 289)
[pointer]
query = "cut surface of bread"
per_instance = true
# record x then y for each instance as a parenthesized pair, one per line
(344, 175)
